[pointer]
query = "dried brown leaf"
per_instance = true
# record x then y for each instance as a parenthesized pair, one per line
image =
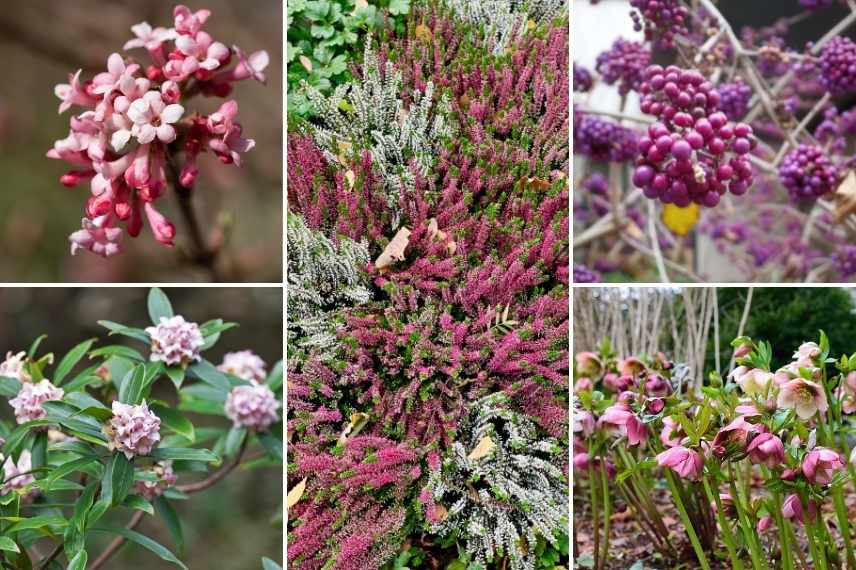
(484, 447)
(394, 251)
(296, 493)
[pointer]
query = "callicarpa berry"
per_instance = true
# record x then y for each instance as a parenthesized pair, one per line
(661, 20)
(624, 63)
(844, 260)
(837, 63)
(603, 140)
(175, 341)
(583, 80)
(808, 173)
(693, 154)
(734, 99)
(252, 406)
(133, 430)
(815, 4)
(583, 274)
(31, 396)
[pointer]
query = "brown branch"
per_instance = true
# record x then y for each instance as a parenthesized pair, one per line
(51, 557)
(212, 479)
(116, 543)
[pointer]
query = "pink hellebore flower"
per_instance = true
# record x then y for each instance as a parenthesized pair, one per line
(96, 236)
(31, 396)
(617, 383)
(618, 419)
(656, 385)
(792, 509)
(631, 366)
(175, 341)
(584, 422)
(820, 464)
(735, 434)
(806, 353)
(766, 449)
(764, 524)
(804, 396)
(672, 433)
(582, 463)
(133, 430)
(588, 364)
(244, 364)
(684, 462)
(583, 385)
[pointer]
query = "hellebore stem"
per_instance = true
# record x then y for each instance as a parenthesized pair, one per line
(699, 551)
(844, 524)
(607, 506)
(726, 528)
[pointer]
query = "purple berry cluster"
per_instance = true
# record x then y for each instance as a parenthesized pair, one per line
(603, 140)
(734, 99)
(583, 274)
(661, 20)
(692, 154)
(844, 261)
(583, 81)
(837, 63)
(815, 4)
(808, 173)
(596, 184)
(624, 62)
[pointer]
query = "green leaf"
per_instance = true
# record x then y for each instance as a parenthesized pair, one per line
(39, 451)
(272, 444)
(399, 7)
(35, 346)
(186, 453)
(9, 387)
(117, 350)
(118, 478)
(159, 305)
(234, 439)
(8, 544)
(82, 400)
(139, 503)
(133, 385)
(143, 541)
(78, 562)
(268, 564)
(36, 522)
(274, 379)
(176, 374)
(135, 333)
(70, 360)
(67, 468)
(206, 372)
(175, 421)
(81, 511)
(167, 512)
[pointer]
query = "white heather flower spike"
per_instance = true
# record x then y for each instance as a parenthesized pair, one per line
(244, 364)
(133, 430)
(252, 407)
(28, 402)
(175, 341)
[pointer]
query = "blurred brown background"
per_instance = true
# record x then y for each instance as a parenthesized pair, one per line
(41, 42)
(229, 526)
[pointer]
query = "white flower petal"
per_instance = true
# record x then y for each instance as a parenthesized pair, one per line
(171, 113)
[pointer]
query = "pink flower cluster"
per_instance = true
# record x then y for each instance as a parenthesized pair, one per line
(244, 364)
(31, 396)
(135, 132)
(166, 478)
(13, 366)
(175, 341)
(252, 406)
(133, 430)
(17, 475)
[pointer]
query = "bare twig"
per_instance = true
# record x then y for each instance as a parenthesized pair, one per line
(116, 543)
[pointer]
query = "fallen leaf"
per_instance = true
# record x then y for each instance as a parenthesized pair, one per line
(435, 232)
(296, 493)
(680, 220)
(394, 251)
(845, 195)
(306, 63)
(538, 183)
(424, 33)
(441, 512)
(357, 423)
(351, 178)
(484, 447)
(360, 4)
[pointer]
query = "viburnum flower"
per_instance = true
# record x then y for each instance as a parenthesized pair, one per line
(175, 341)
(17, 475)
(13, 366)
(133, 430)
(684, 462)
(31, 396)
(132, 129)
(621, 420)
(804, 396)
(244, 364)
(252, 406)
(820, 464)
(166, 478)
(766, 449)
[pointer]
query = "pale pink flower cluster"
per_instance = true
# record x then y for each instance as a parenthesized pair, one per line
(133, 430)
(252, 406)
(31, 396)
(175, 341)
(244, 364)
(166, 478)
(13, 366)
(134, 126)
(17, 475)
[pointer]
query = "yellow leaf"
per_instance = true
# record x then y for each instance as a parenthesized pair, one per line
(394, 251)
(306, 63)
(531, 24)
(358, 422)
(296, 493)
(680, 220)
(484, 447)
(845, 196)
(351, 178)
(424, 33)
(441, 512)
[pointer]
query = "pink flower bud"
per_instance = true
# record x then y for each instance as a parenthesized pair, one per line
(175, 341)
(805, 396)
(583, 385)
(655, 405)
(170, 92)
(74, 177)
(133, 430)
(742, 350)
(766, 449)
(244, 364)
(684, 462)
(28, 402)
(252, 406)
(764, 524)
(820, 464)
(162, 228)
(166, 478)
(792, 509)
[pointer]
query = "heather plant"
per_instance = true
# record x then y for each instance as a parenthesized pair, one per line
(138, 135)
(742, 139)
(93, 437)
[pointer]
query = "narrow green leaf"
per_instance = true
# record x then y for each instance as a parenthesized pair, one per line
(175, 421)
(35, 346)
(83, 400)
(268, 564)
(135, 333)
(234, 439)
(39, 451)
(70, 360)
(118, 478)
(274, 379)
(159, 305)
(206, 372)
(139, 503)
(117, 350)
(167, 512)
(9, 387)
(67, 468)
(131, 390)
(8, 544)
(143, 541)
(272, 444)
(185, 453)
(78, 562)
(176, 374)
(37, 522)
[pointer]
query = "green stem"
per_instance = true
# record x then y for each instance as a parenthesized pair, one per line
(644, 494)
(759, 561)
(817, 557)
(784, 534)
(594, 509)
(607, 507)
(736, 564)
(686, 520)
(844, 525)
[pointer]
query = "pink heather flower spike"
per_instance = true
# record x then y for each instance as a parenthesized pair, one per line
(820, 464)
(175, 341)
(804, 396)
(766, 449)
(244, 364)
(166, 478)
(17, 475)
(253, 406)
(28, 402)
(684, 462)
(133, 430)
(14, 366)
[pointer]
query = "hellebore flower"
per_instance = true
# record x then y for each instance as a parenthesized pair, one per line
(631, 366)
(764, 524)
(582, 463)
(804, 396)
(656, 385)
(806, 353)
(752, 381)
(820, 464)
(584, 422)
(618, 383)
(619, 419)
(588, 364)
(672, 433)
(766, 449)
(735, 435)
(684, 462)
(583, 384)
(792, 509)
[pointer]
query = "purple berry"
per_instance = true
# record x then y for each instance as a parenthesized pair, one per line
(624, 64)
(808, 173)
